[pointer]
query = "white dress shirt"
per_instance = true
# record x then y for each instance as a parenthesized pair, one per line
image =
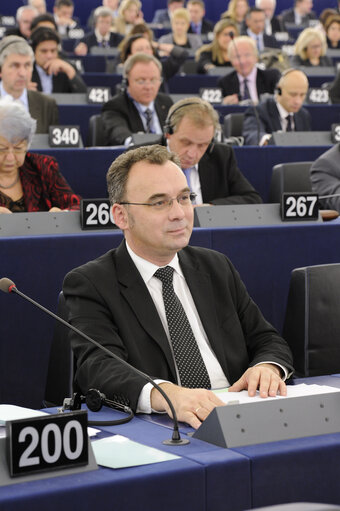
(23, 98)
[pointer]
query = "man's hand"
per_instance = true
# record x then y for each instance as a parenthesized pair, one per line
(191, 405)
(55, 66)
(231, 100)
(265, 377)
(81, 49)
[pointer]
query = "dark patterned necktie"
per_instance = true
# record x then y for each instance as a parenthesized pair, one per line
(191, 368)
(246, 93)
(148, 117)
(289, 123)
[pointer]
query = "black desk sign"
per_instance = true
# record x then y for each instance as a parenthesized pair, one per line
(317, 96)
(299, 206)
(98, 95)
(64, 136)
(96, 214)
(211, 94)
(335, 134)
(47, 443)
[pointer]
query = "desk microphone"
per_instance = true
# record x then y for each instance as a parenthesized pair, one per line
(251, 102)
(8, 286)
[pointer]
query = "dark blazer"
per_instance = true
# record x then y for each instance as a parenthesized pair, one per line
(269, 41)
(206, 28)
(325, 177)
(266, 81)
(297, 61)
(121, 117)
(334, 89)
(269, 118)
(107, 299)
(276, 24)
(161, 16)
(91, 41)
(44, 186)
(288, 16)
(205, 59)
(61, 82)
(44, 109)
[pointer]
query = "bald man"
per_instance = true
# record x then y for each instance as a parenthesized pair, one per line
(283, 112)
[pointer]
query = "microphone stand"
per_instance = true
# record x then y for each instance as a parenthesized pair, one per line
(7, 286)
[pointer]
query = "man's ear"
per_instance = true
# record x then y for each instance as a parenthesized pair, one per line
(120, 216)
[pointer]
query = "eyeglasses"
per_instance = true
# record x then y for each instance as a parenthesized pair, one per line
(144, 81)
(14, 149)
(184, 199)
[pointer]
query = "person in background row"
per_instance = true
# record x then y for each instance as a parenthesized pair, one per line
(198, 23)
(140, 43)
(51, 73)
(16, 65)
(247, 82)
(325, 177)
(133, 298)
(63, 14)
(129, 14)
(162, 16)
(332, 29)
(284, 112)
(24, 18)
(272, 23)
(300, 14)
(139, 108)
(310, 49)
(108, 4)
(44, 20)
(237, 10)
(255, 22)
(180, 23)
(102, 35)
(334, 89)
(216, 53)
(39, 5)
(28, 181)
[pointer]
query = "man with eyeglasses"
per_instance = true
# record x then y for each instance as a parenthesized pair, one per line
(181, 314)
(140, 108)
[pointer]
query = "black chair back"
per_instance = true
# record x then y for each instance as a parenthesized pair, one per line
(290, 177)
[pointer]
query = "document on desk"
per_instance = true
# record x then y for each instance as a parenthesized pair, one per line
(292, 391)
(119, 452)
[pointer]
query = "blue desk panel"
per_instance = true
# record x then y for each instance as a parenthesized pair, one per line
(85, 169)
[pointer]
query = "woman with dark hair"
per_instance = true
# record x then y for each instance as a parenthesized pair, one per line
(216, 53)
(332, 29)
(28, 181)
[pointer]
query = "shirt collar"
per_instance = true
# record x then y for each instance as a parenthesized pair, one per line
(101, 38)
(22, 99)
(147, 269)
(282, 111)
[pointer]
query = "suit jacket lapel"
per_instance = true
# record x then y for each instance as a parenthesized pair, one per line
(139, 298)
(274, 116)
(161, 110)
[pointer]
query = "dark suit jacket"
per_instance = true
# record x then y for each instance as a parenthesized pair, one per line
(90, 40)
(61, 82)
(206, 28)
(276, 24)
(270, 121)
(44, 109)
(107, 299)
(288, 16)
(325, 177)
(161, 16)
(121, 117)
(269, 41)
(266, 81)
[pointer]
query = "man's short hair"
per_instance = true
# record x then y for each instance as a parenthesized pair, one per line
(102, 12)
(253, 9)
(139, 58)
(24, 8)
(41, 18)
(196, 2)
(200, 113)
(242, 38)
(62, 3)
(41, 34)
(13, 44)
(173, 1)
(118, 172)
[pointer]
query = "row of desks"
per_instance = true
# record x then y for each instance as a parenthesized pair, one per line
(204, 477)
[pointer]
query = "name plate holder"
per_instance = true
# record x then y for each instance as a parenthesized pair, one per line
(31, 440)
(236, 425)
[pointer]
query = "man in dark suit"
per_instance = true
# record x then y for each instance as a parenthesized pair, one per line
(210, 167)
(51, 73)
(140, 108)
(131, 300)
(301, 14)
(272, 22)
(24, 17)
(102, 36)
(162, 16)
(255, 22)
(284, 112)
(247, 82)
(325, 177)
(198, 23)
(16, 64)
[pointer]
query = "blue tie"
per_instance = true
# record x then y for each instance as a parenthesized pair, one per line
(187, 173)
